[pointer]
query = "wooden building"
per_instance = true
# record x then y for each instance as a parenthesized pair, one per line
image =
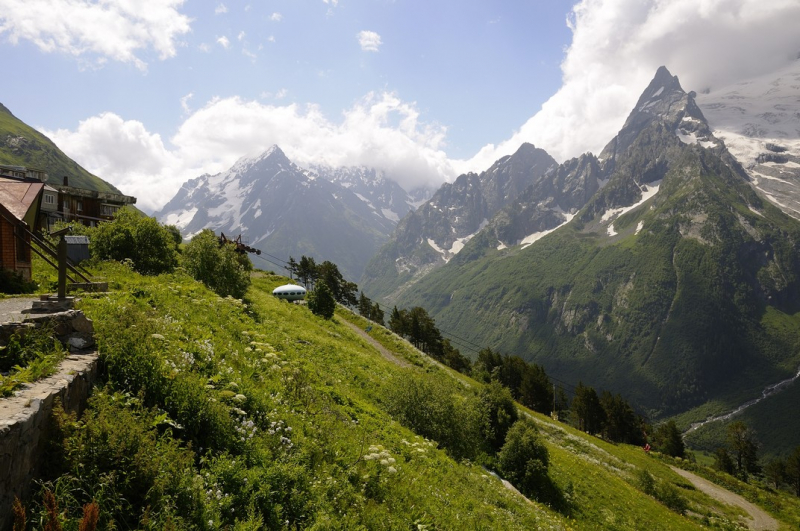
(19, 212)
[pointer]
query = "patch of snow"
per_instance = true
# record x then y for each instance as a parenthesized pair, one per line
(435, 247)
(257, 214)
(529, 239)
(690, 138)
(648, 191)
(180, 219)
(784, 207)
(754, 211)
(771, 178)
(747, 116)
(658, 93)
(501, 246)
(647, 106)
(639, 227)
(390, 215)
(707, 143)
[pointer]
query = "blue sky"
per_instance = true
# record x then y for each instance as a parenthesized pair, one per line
(149, 93)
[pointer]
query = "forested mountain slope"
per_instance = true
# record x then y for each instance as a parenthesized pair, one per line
(675, 284)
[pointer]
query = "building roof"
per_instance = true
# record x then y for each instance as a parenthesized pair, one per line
(18, 197)
(75, 240)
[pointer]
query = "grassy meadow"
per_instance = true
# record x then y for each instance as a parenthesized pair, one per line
(219, 413)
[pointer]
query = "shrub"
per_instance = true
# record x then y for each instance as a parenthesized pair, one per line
(11, 282)
(321, 301)
(430, 408)
(498, 413)
(139, 238)
(218, 266)
(523, 460)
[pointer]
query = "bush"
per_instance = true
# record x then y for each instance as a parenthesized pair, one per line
(498, 412)
(524, 459)
(432, 410)
(321, 301)
(218, 266)
(142, 239)
(11, 282)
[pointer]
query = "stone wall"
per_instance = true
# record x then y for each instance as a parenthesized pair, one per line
(24, 423)
(25, 417)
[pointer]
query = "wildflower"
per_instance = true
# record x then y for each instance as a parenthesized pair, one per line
(391, 470)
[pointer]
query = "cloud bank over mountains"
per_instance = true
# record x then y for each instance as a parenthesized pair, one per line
(617, 46)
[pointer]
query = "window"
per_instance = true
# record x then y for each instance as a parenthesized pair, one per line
(49, 199)
(80, 206)
(108, 210)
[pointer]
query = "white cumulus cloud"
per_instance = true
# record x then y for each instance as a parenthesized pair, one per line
(224, 42)
(379, 131)
(221, 9)
(276, 17)
(96, 30)
(123, 153)
(369, 41)
(617, 45)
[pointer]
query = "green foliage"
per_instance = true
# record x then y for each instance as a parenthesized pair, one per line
(219, 266)
(668, 440)
(621, 424)
(498, 413)
(117, 456)
(743, 447)
(663, 491)
(12, 283)
(589, 413)
(321, 301)
(141, 239)
(31, 354)
(524, 459)
(431, 408)
(723, 461)
(793, 469)
(259, 415)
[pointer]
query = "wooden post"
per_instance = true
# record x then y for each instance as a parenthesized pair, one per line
(62, 268)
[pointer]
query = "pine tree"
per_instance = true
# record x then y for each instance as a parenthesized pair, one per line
(743, 446)
(588, 412)
(793, 469)
(321, 301)
(668, 440)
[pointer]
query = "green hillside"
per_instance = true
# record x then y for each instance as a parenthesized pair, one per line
(21, 145)
(256, 414)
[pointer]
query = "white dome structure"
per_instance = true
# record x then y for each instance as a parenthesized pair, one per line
(290, 292)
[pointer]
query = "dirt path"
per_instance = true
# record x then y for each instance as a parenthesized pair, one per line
(380, 348)
(760, 519)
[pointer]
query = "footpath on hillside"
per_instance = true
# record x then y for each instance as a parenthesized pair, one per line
(760, 521)
(380, 348)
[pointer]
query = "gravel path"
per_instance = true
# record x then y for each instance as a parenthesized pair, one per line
(760, 519)
(380, 348)
(11, 308)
